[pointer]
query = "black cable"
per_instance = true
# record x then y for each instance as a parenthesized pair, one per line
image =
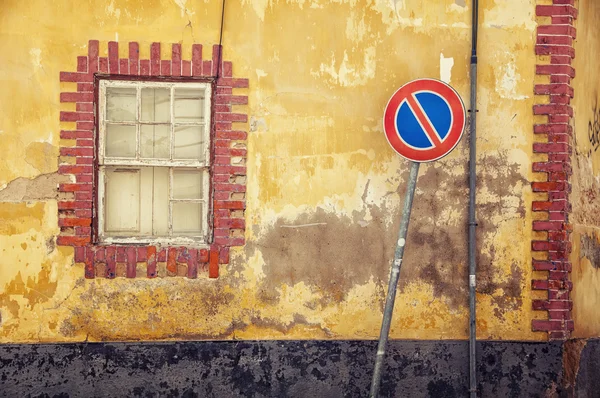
(221, 39)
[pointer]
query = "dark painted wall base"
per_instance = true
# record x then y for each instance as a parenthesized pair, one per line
(278, 369)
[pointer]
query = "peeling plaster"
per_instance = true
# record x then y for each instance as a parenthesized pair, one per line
(43, 187)
(446, 65)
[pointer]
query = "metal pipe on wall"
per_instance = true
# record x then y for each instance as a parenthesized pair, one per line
(472, 204)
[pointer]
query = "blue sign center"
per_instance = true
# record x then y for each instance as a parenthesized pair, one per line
(438, 112)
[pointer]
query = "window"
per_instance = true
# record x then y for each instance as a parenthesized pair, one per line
(153, 162)
(155, 153)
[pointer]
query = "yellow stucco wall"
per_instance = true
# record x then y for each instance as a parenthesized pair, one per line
(585, 196)
(324, 188)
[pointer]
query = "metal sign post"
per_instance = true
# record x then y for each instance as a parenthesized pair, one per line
(423, 121)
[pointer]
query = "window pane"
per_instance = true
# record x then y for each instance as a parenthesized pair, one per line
(120, 104)
(154, 141)
(188, 143)
(187, 184)
(120, 141)
(187, 218)
(122, 200)
(189, 105)
(160, 201)
(156, 104)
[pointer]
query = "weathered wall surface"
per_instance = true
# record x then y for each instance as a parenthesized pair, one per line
(324, 188)
(585, 197)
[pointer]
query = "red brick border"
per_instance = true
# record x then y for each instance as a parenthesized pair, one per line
(555, 42)
(228, 170)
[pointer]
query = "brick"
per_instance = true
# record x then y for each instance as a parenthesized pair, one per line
(560, 79)
(231, 117)
(134, 58)
(547, 186)
(186, 68)
(560, 99)
(85, 87)
(131, 261)
(83, 213)
(552, 304)
(562, 20)
(557, 30)
(77, 151)
(103, 64)
(124, 66)
(165, 67)
(83, 231)
(90, 271)
(196, 60)
(83, 196)
(85, 125)
(77, 97)
(229, 204)
(230, 187)
(566, 40)
(231, 135)
(84, 107)
(192, 263)
(161, 255)
(75, 77)
(559, 118)
(223, 126)
(84, 161)
(224, 255)
(231, 99)
(555, 70)
(100, 254)
(216, 60)
(235, 170)
(144, 67)
(551, 128)
(224, 90)
(540, 246)
(232, 82)
(546, 49)
(206, 68)
(558, 335)
(546, 148)
(142, 253)
(547, 226)
(68, 169)
(68, 205)
(235, 223)
(155, 59)
(552, 110)
(561, 60)
(540, 325)
(93, 48)
(152, 259)
(176, 59)
(85, 143)
(111, 262)
(72, 240)
(79, 254)
(222, 108)
(555, 10)
(74, 187)
(121, 254)
(172, 260)
(113, 57)
(203, 256)
(213, 267)
(227, 69)
(72, 222)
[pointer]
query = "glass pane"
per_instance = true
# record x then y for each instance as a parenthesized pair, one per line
(160, 201)
(188, 104)
(156, 104)
(154, 141)
(122, 200)
(120, 141)
(187, 218)
(120, 104)
(188, 143)
(187, 184)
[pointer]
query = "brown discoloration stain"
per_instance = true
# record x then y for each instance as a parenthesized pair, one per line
(40, 290)
(571, 357)
(330, 253)
(42, 187)
(333, 253)
(590, 249)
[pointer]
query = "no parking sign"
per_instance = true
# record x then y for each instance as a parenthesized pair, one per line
(424, 120)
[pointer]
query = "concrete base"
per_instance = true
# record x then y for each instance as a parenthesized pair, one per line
(279, 369)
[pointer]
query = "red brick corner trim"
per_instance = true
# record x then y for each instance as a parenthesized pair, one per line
(551, 246)
(76, 209)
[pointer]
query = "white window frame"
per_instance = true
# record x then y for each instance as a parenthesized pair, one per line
(138, 161)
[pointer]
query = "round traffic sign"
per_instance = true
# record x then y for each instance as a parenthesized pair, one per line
(424, 120)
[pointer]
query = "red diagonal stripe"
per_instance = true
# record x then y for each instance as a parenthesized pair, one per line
(429, 129)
